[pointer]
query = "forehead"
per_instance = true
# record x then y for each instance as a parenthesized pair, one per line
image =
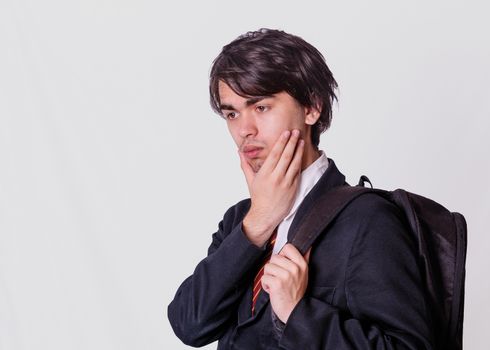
(230, 100)
(226, 92)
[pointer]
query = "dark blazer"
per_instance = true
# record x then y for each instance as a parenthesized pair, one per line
(364, 290)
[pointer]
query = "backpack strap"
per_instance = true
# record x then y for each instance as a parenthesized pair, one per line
(323, 213)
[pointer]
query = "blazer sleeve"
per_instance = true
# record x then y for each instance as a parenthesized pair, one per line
(383, 288)
(205, 301)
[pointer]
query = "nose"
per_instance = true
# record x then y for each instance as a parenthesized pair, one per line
(247, 126)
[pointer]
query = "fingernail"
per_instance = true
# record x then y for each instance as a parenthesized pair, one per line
(286, 133)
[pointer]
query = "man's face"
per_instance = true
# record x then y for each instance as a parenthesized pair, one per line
(255, 123)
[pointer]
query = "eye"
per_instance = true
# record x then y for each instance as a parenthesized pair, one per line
(261, 108)
(230, 115)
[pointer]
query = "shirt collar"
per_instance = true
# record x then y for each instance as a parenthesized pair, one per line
(308, 179)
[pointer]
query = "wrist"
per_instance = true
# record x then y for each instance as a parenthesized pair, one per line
(257, 231)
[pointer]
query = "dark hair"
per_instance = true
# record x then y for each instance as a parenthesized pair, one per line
(266, 62)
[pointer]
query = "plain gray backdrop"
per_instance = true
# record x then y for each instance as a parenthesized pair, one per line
(114, 172)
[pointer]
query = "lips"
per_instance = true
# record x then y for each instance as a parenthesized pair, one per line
(251, 151)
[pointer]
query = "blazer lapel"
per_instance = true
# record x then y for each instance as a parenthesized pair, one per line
(261, 301)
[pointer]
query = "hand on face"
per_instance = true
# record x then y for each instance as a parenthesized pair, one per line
(285, 279)
(273, 188)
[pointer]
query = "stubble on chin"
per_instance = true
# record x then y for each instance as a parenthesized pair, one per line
(256, 165)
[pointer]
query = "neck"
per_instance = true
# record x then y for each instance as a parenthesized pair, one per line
(311, 154)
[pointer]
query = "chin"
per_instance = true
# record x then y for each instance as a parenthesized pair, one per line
(256, 165)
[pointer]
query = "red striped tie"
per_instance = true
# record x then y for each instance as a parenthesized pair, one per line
(257, 287)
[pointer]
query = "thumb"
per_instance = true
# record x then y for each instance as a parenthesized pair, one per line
(247, 170)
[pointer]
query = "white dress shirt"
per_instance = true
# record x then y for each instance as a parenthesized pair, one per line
(308, 179)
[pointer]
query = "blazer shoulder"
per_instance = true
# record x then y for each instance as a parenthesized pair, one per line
(371, 205)
(373, 215)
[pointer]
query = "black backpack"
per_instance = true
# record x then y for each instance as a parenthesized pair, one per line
(440, 236)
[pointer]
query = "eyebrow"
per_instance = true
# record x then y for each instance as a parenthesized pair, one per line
(248, 102)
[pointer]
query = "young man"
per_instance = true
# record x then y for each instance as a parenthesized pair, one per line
(359, 287)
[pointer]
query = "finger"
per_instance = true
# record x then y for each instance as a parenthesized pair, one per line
(276, 270)
(266, 282)
(247, 170)
(286, 264)
(276, 151)
(292, 253)
(294, 169)
(288, 153)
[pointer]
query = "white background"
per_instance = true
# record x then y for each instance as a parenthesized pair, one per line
(114, 172)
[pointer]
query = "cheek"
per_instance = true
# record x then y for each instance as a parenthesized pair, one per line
(273, 132)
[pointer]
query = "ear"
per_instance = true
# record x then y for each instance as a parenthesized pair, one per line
(312, 114)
